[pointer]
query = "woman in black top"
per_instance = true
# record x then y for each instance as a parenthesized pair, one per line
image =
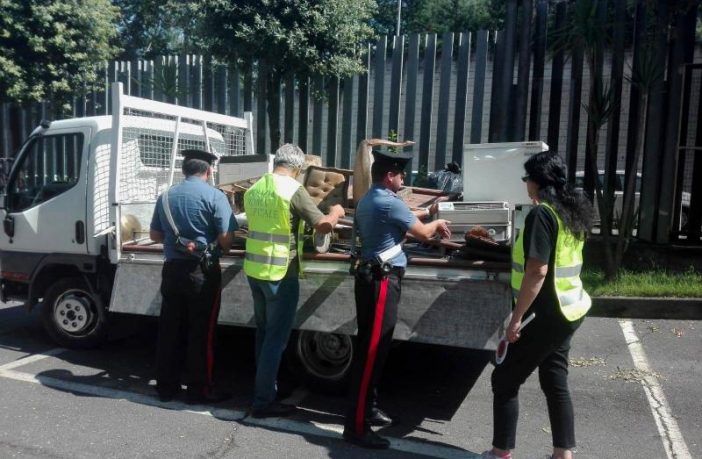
(545, 343)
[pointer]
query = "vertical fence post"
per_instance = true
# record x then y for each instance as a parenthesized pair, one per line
(303, 112)
(398, 52)
(574, 108)
(519, 130)
(221, 81)
(261, 114)
(289, 124)
(537, 80)
(234, 91)
(332, 121)
(443, 110)
(346, 121)
(427, 101)
(362, 123)
(411, 95)
(554, 108)
(476, 120)
(317, 107)
(379, 88)
(459, 127)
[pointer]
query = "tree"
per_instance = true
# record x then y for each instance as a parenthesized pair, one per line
(149, 28)
(440, 16)
(322, 37)
(49, 48)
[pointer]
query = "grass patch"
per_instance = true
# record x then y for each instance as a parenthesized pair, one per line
(646, 284)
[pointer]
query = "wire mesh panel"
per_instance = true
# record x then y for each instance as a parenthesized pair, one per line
(147, 149)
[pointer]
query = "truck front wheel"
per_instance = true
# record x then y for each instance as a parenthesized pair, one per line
(321, 360)
(72, 315)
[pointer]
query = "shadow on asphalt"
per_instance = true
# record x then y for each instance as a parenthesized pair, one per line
(420, 382)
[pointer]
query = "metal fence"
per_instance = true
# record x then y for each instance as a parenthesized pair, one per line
(443, 92)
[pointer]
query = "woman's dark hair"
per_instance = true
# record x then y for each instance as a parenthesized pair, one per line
(548, 170)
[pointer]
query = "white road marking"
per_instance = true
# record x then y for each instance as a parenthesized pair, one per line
(300, 427)
(673, 442)
(32, 358)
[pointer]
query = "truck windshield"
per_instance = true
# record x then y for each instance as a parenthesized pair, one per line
(48, 166)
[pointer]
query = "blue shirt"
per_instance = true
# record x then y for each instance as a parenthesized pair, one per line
(200, 212)
(382, 219)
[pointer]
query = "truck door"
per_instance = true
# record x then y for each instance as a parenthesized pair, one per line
(46, 195)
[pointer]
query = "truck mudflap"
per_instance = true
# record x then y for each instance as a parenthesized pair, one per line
(453, 307)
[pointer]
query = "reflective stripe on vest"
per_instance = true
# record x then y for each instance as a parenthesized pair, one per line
(573, 299)
(267, 205)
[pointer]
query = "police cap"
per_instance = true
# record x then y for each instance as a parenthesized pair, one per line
(392, 160)
(202, 155)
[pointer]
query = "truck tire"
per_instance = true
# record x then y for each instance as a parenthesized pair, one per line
(73, 315)
(322, 361)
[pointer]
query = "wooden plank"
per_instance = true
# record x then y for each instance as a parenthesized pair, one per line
(444, 88)
(411, 98)
(476, 120)
(537, 79)
(289, 124)
(427, 101)
(332, 121)
(346, 147)
(398, 52)
(554, 107)
(362, 121)
(379, 88)
(459, 125)
(317, 107)
(303, 111)
(574, 107)
(522, 94)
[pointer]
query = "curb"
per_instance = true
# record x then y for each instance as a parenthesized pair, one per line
(647, 308)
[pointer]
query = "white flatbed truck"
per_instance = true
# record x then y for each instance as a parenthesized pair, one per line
(76, 210)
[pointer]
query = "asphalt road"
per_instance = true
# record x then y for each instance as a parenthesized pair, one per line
(636, 388)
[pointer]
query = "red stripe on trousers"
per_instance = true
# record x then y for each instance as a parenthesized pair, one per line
(370, 359)
(210, 336)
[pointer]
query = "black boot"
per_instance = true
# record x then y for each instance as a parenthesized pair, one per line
(368, 439)
(378, 418)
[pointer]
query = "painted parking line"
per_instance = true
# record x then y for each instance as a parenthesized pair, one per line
(32, 358)
(673, 442)
(288, 425)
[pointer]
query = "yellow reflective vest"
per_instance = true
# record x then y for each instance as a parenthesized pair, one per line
(267, 205)
(572, 298)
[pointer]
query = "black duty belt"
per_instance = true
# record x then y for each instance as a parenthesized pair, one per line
(379, 270)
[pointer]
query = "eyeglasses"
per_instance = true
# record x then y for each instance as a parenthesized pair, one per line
(525, 178)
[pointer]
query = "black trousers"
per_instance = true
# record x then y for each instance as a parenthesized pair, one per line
(191, 300)
(377, 297)
(544, 344)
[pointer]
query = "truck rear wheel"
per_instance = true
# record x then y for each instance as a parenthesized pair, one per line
(321, 360)
(72, 315)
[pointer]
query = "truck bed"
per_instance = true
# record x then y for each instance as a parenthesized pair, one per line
(444, 301)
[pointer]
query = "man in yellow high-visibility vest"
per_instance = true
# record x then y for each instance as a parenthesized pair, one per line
(277, 207)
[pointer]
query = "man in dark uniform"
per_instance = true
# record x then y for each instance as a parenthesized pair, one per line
(382, 220)
(191, 278)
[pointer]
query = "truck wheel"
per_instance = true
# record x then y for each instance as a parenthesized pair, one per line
(72, 315)
(321, 360)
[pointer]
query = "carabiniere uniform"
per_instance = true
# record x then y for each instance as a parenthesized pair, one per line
(381, 221)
